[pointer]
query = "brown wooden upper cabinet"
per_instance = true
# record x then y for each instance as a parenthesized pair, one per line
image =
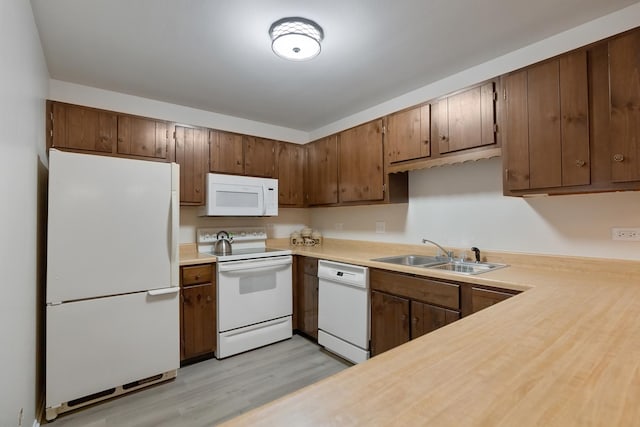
(88, 129)
(226, 152)
(142, 137)
(191, 149)
(290, 163)
(624, 83)
(236, 154)
(360, 154)
(547, 125)
(82, 128)
(408, 134)
(259, 156)
(322, 171)
(465, 120)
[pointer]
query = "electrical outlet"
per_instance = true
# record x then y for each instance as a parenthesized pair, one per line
(339, 226)
(625, 233)
(380, 227)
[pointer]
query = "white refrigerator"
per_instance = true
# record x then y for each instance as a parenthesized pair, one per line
(112, 313)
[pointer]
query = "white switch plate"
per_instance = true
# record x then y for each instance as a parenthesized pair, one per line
(339, 226)
(380, 227)
(625, 233)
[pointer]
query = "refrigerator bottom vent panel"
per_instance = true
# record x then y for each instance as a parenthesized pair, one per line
(52, 413)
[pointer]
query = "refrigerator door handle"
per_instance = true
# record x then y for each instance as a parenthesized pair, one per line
(175, 224)
(164, 291)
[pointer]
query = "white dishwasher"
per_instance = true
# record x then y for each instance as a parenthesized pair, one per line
(343, 309)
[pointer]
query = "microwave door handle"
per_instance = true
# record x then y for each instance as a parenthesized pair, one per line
(264, 200)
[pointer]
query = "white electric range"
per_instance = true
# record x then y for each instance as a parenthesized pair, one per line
(254, 290)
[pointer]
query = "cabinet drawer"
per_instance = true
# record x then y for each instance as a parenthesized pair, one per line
(418, 288)
(310, 266)
(196, 274)
(483, 298)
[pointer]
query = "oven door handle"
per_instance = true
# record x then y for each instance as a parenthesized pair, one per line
(253, 264)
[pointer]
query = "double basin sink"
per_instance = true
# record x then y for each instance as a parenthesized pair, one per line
(441, 263)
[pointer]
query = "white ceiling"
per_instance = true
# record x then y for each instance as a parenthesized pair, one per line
(216, 55)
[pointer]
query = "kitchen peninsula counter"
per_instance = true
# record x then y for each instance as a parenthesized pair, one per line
(564, 352)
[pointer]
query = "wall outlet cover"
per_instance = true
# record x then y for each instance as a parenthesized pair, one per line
(625, 233)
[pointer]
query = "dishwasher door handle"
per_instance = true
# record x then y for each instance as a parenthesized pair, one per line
(357, 285)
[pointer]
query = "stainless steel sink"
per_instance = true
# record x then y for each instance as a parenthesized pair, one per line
(413, 260)
(469, 268)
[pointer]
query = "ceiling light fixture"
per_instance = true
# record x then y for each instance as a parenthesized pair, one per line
(296, 39)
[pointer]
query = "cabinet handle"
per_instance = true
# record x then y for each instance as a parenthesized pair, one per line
(443, 137)
(580, 163)
(197, 277)
(618, 157)
(208, 298)
(415, 320)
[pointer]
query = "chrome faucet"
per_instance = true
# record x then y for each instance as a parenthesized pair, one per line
(449, 254)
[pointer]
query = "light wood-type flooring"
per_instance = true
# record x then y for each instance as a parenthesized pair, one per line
(213, 391)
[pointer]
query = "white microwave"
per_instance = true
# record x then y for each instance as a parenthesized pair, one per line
(232, 195)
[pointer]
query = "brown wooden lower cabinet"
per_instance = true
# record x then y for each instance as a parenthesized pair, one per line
(197, 312)
(307, 297)
(426, 318)
(404, 307)
(483, 298)
(389, 322)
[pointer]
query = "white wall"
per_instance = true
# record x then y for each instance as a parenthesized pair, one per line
(462, 206)
(287, 221)
(115, 101)
(23, 88)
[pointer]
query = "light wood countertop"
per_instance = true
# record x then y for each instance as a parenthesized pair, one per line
(565, 352)
(189, 255)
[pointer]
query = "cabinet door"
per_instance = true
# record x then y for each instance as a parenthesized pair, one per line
(360, 158)
(141, 137)
(624, 81)
(308, 306)
(259, 156)
(198, 320)
(192, 155)
(389, 322)
(408, 134)
(548, 125)
(82, 128)
(440, 124)
(226, 152)
(483, 298)
(466, 120)
(516, 146)
(290, 163)
(574, 123)
(545, 150)
(322, 171)
(426, 318)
